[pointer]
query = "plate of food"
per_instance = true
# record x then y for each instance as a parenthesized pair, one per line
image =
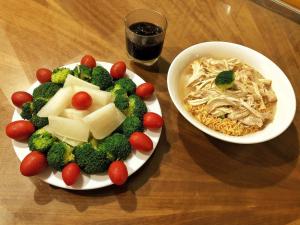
(85, 125)
(231, 92)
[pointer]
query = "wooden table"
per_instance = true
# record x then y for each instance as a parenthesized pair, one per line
(191, 178)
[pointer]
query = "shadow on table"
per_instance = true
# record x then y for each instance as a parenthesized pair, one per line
(125, 194)
(160, 66)
(249, 166)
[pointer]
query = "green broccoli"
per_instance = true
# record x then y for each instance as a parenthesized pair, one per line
(59, 75)
(38, 103)
(59, 155)
(130, 125)
(124, 83)
(225, 80)
(83, 72)
(27, 110)
(137, 107)
(41, 140)
(116, 147)
(39, 122)
(101, 77)
(121, 99)
(90, 160)
(46, 90)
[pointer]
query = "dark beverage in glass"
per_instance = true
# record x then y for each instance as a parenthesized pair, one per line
(145, 32)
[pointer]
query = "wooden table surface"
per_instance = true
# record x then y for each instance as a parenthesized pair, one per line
(191, 178)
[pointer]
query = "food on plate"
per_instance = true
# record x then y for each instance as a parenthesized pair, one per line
(117, 172)
(82, 120)
(18, 98)
(228, 95)
(130, 125)
(33, 163)
(91, 160)
(70, 173)
(59, 155)
(19, 130)
(59, 75)
(57, 103)
(145, 90)
(140, 141)
(75, 81)
(81, 100)
(43, 75)
(88, 61)
(118, 70)
(74, 113)
(101, 122)
(152, 120)
(70, 128)
(41, 140)
(101, 78)
(100, 98)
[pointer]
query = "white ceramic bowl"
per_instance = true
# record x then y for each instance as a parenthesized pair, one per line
(286, 104)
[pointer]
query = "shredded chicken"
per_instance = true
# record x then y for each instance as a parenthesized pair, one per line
(249, 101)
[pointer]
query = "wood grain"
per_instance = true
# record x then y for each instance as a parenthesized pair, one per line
(191, 178)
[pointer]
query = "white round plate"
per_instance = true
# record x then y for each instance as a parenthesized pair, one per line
(86, 182)
(286, 100)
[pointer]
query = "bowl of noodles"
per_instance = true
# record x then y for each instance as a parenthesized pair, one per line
(231, 92)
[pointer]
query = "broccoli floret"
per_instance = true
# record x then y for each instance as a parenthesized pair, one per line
(46, 90)
(101, 77)
(137, 107)
(27, 110)
(41, 140)
(121, 99)
(90, 160)
(59, 155)
(39, 122)
(124, 83)
(38, 103)
(131, 124)
(83, 72)
(116, 147)
(59, 75)
(225, 79)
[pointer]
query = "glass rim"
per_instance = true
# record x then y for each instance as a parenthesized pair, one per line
(149, 10)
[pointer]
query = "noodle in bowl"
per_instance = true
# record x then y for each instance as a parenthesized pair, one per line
(257, 106)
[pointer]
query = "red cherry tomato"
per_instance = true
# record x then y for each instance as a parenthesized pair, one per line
(117, 172)
(19, 130)
(152, 120)
(88, 61)
(43, 75)
(118, 70)
(81, 100)
(70, 173)
(20, 97)
(145, 90)
(141, 142)
(33, 164)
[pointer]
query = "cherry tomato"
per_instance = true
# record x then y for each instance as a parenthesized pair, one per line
(43, 75)
(33, 164)
(19, 130)
(141, 142)
(117, 172)
(152, 120)
(20, 97)
(81, 100)
(88, 61)
(70, 173)
(118, 70)
(145, 90)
